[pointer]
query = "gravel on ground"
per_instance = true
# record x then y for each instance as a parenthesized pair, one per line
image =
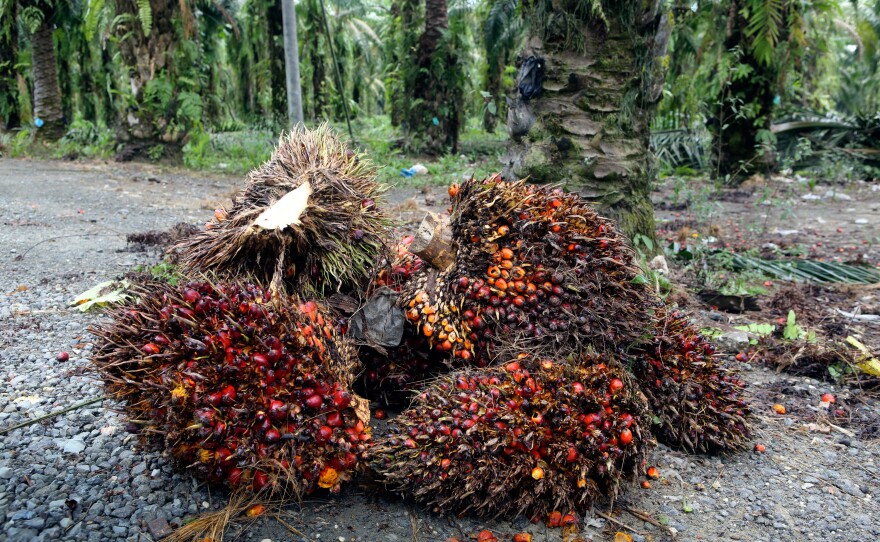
(80, 476)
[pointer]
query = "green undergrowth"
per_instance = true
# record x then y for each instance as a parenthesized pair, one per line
(239, 151)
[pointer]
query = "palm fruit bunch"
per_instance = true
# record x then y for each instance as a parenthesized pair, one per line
(532, 265)
(239, 387)
(308, 219)
(390, 375)
(697, 402)
(529, 436)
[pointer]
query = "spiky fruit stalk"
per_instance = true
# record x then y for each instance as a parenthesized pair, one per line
(333, 245)
(697, 402)
(533, 264)
(238, 388)
(527, 437)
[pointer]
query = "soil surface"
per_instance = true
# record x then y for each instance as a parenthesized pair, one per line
(80, 476)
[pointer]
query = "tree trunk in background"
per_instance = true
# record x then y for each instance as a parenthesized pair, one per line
(434, 115)
(47, 94)
(319, 75)
(494, 67)
(589, 127)
(291, 65)
(735, 145)
(276, 56)
(10, 114)
(145, 57)
(399, 50)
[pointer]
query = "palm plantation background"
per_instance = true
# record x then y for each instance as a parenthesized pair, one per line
(725, 88)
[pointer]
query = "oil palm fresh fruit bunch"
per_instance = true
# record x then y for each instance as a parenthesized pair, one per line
(240, 388)
(533, 265)
(529, 436)
(698, 403)
(391, 374)
(307, 220)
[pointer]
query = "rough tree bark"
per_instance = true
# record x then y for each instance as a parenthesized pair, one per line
(276, 56)
(145, 57)
(47, 94)
(588, 129)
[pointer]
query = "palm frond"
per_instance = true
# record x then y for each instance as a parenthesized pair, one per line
(807, 270)
(676, 148)
(145, 16)
(765, 18)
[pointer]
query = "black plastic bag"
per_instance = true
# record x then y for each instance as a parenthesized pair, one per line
(531, 77)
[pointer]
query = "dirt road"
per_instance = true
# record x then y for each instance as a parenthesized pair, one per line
(80, 476)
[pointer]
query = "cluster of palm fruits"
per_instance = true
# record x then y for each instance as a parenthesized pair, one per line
(537, 271)
(697, 403)
(529, 436)
(241, 389)
(533, 264)
(390, 375)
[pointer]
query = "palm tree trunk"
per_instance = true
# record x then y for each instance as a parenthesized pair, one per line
(494, 68)
(588, 129)
(146, 57)
(436, 21)
(291, 65)
(435, 112)
(735, 142)
(47, 95)
(10, 114)
(276, 56)
(399, 52)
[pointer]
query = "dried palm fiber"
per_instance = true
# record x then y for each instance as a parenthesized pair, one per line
(527, 437)
(331, 245)
(697, 402)
(239, 387)
(531, 264)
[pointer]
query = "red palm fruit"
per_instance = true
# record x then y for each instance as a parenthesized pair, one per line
(261, 480)
(272, 436)
(314, 401)
(334, 419)
(233, 477)
(227, 395)
(324, 433)
(232, 382)
(696, 399)
(277, 410)
(528, 437)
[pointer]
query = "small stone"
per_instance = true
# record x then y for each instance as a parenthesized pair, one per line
(733, 341)
(73, 446)
(36, 523)
(5, 473)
